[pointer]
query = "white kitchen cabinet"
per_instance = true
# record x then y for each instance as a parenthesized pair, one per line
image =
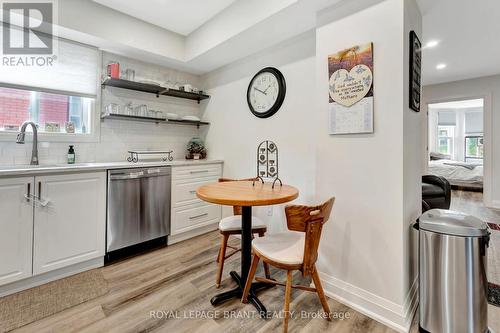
(190, 215)
(16, 229)
(69, 223)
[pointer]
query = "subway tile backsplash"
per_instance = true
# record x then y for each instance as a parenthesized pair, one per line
(119, 136)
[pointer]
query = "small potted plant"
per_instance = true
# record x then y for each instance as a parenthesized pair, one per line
(196, 149)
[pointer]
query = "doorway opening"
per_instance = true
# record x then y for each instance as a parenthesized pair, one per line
(456, 142)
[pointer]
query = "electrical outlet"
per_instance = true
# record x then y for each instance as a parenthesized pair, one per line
(270, 211)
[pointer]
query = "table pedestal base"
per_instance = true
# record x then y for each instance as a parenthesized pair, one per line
(238, 293)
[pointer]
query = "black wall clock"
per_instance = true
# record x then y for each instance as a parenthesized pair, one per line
(266, 92)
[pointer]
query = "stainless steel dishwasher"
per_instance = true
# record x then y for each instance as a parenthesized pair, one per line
(138, 210)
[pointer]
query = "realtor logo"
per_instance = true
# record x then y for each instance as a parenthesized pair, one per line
(28, 28)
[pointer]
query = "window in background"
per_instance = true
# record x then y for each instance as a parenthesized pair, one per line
(446, 136)
(474, 149)
(52, 112)
(59, 98)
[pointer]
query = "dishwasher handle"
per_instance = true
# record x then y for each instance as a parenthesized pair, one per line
(141, 174)
(131, 175)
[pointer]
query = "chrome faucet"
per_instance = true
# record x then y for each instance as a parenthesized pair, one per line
(20, 140)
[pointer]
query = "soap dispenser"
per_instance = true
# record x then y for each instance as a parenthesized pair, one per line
(71, 155)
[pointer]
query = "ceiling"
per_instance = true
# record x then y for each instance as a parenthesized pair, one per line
(180, 16)
(467, 32)
(211, 33)
(224, 30)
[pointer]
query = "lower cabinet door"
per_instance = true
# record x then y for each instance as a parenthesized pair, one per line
(16, 228)
(70, 220)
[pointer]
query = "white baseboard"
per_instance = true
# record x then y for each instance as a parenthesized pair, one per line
(397, 317)
(192, 233)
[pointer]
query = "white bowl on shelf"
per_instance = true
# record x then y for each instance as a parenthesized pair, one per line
(191, 118)
(151, 82)
(173, 116)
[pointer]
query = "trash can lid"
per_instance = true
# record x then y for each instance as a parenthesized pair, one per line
(452, 223)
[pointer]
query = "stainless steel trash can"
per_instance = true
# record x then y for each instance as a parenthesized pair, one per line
(452, 267)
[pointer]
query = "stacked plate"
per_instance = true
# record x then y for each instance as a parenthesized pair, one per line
(173, 116)
(191, 118)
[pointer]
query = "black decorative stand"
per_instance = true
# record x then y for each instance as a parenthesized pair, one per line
(134, 155)
(267, 162)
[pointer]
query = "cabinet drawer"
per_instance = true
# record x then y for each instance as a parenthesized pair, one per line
(198, 171)
(194, 216)
(184, 193)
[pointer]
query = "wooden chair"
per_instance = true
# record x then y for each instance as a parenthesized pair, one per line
(296, 249)
(231, 225)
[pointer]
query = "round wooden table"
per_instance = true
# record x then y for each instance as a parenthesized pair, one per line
(245, 194)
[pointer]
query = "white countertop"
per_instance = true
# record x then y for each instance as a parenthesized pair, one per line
(21, 170)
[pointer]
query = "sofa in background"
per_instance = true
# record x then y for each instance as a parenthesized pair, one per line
(436, 193)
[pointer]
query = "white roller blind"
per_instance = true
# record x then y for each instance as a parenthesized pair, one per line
(447, 118)
(473, 122)
(74, 70)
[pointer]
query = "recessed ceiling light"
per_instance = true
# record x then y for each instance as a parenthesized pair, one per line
(431, 43)
(441, 66)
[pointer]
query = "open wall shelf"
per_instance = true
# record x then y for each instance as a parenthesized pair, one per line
(155, 120)
(153, 89)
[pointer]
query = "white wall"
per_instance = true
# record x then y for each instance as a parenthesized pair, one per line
(412, 171)
(235, 132)
(119, 136)
(366, 251)
(489, 89)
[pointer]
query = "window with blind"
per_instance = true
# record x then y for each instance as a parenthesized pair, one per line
(60, 99)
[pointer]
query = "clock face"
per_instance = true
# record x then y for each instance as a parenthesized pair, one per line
(266, 92)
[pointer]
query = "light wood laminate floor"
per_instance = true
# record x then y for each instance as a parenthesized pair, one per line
(179, 280)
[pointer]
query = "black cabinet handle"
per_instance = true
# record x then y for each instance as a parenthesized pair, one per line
(28, 192)
(39, 190)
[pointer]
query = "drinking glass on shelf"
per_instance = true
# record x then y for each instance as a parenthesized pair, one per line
(128, 110)
(141, 110)
(111, 108)
(169, 84)
(130, 74)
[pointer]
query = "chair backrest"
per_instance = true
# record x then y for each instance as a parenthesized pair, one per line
(236, 209)
(309, 219)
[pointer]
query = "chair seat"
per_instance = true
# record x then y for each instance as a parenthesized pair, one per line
(233, 223)
(285, 247)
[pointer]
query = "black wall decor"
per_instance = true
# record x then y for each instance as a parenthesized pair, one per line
(415, 71)
(267, 162)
